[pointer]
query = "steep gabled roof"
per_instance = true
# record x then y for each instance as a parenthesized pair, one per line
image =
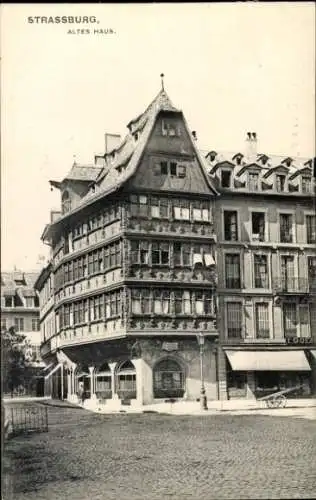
(161, 102)
(122, 162)
(129, 153)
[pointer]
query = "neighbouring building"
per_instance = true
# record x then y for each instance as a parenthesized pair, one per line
(44, 285)
(266, 247)
(158, 241)
(132, 278)
(20, 309)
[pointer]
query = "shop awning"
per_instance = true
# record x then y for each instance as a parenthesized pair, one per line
(313, 353)
(268, 360)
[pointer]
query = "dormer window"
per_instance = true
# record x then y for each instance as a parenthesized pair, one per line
(280, 183)
(181, 171)
(306, 184)
(238, 160)
(226, 178)
(169, 129)
(65, 202)
(253, 181)
(172, 131)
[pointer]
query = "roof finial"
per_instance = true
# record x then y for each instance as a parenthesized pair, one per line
(162, 84)
(74, 157)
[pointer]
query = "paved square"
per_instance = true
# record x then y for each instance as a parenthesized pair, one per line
(91, 456)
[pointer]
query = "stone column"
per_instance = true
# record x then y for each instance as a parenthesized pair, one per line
(92, 384)
(139, 401)
(115, 402)
(72, 386)
(69, 389)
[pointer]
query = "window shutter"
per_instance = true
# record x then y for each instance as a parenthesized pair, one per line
(181, 170)
(156, 168)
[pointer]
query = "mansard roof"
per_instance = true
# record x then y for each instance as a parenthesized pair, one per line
(272, 163)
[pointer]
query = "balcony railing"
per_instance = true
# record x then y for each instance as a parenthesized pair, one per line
(291, 285)
(286, 237)
(233, 283)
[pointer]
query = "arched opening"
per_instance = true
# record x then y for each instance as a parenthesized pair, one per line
(103, 384)
(83, 377)
(65, 202)
(169, 379)
(126, 380)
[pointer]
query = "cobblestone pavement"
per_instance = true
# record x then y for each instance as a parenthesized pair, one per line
(309, 413)
(155, 457)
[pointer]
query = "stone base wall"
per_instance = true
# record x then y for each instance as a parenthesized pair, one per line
(187, 354)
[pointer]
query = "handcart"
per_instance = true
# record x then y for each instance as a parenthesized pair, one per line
(278, 399)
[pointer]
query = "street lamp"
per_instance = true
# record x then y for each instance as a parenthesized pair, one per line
(203, 399)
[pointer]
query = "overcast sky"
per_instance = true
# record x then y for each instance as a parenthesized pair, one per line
(230, 67)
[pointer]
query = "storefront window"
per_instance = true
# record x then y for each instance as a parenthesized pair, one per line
(126, 381)
(270, 382)
(103, 387)
(236, 383)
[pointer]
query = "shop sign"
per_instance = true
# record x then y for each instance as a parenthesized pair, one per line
(299, 340)
(170, 346)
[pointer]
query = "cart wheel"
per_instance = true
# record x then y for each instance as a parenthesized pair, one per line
(282, 401)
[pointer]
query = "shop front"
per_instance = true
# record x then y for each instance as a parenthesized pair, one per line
(255, 374)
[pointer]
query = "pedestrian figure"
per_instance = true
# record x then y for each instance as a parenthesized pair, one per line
(80, 392)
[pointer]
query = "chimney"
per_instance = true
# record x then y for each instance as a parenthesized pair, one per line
(112, 141)
(194, 135)
(251, 144)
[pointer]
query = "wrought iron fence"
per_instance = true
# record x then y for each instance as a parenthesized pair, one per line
(28, 419)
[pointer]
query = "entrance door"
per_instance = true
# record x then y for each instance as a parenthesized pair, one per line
(168, 379)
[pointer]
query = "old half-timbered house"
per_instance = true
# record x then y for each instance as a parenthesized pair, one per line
(134, 268)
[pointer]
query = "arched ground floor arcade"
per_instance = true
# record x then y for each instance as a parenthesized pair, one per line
(136, 371)
(146, 370)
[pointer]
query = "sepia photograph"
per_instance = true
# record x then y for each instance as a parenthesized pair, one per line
(158, 251)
